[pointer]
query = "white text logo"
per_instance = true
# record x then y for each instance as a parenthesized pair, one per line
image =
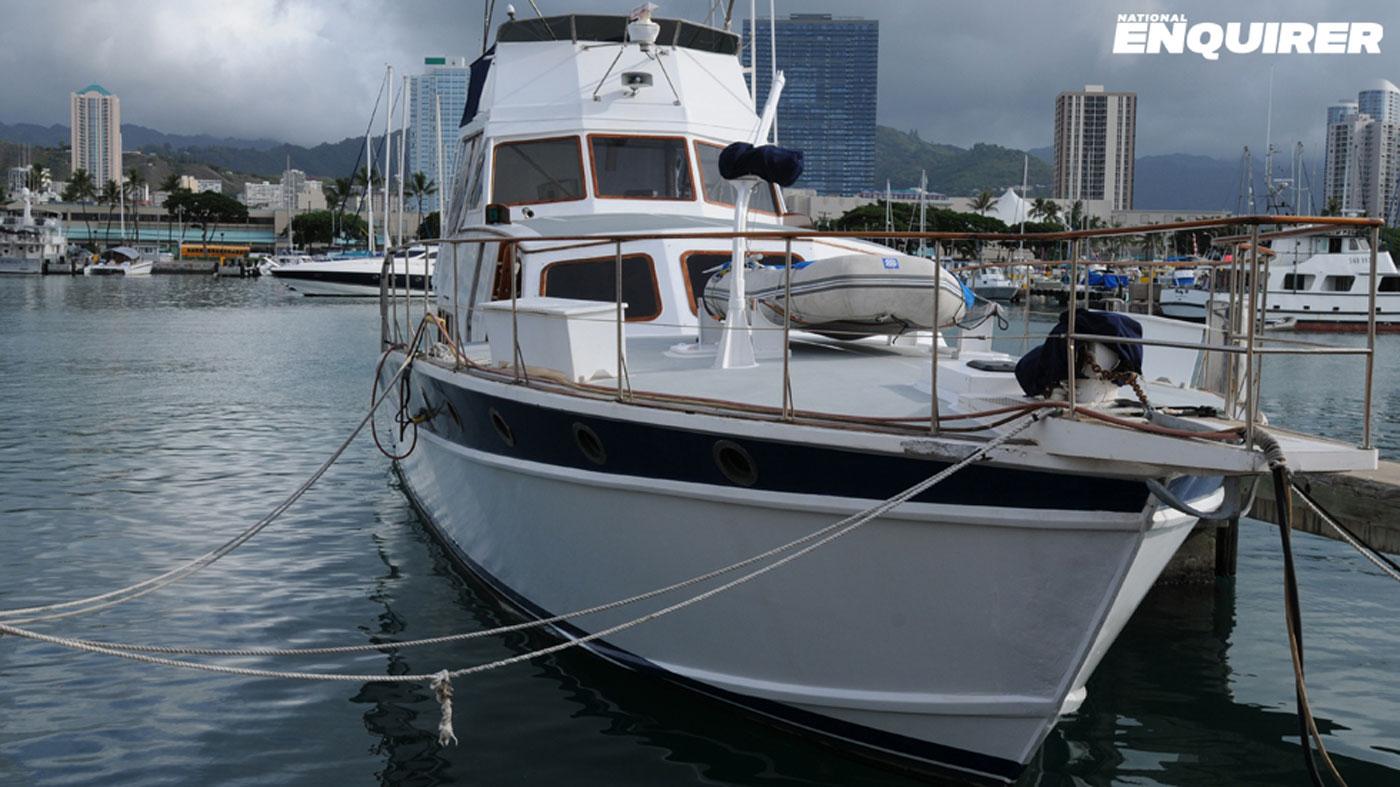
(1152, 34)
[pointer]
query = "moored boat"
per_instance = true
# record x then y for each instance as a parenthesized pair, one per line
(580, 430)
(120, 261)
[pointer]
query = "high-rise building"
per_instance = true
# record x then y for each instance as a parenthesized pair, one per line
(1363, 153)
(827, 110)
(1095, 141)
(95, 120)
(444, 79)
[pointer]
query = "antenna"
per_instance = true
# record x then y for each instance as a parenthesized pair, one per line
(773, 58)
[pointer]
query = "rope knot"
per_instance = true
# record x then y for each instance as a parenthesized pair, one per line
(442, 687)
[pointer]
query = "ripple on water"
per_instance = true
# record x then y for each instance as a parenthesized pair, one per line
(146, 421)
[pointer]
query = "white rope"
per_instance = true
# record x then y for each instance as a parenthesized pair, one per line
(440, 681)
(122, 595)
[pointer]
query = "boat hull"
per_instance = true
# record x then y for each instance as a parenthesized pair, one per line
(361, 281)
(950, 634)
(21, 265)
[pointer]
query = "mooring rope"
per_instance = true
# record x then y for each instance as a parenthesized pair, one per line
(440, 681)
(122, 595)
(1367, 551)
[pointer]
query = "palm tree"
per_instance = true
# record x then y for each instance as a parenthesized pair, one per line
(111, 196)
(983, 202)
(1076, 214)
(337, 191)
(81, 191)
(367, 182)
(420, 186)
(1045, 209)
(37, 175)
(170, 184)
(134, 181)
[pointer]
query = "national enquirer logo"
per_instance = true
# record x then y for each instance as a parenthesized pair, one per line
(1153, 34)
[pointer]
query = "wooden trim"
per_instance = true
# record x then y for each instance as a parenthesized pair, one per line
(692, 297)
(703, 195)
(578, 150)
(685, 149)
(651, 266)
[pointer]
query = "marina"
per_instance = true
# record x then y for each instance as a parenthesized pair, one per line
(614, 468)
(358, 558)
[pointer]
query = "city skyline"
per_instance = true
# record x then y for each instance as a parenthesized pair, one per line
(964, 75)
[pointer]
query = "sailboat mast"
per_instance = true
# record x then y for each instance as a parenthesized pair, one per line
(388, 150)
(369, 186)
(923, 207)
(442, 192)
(403, 144)
(290, 199)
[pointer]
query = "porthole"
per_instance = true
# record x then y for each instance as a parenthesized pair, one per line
(502, 428)
(588, 443)
(735, 463)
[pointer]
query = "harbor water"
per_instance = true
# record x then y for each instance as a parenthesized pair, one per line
(147, 420)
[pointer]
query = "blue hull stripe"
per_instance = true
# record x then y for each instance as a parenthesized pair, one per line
(632, 448)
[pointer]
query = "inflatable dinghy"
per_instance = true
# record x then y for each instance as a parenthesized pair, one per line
(851, 296)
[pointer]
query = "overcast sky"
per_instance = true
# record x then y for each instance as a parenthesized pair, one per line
(306, 71)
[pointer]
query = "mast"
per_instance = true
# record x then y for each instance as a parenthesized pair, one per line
(773, 57)
(753, 54)
(442, 192)
(923, 207)
(290, 199)
(388, 150)
(369, 186)
(403, 144)
(889, 209)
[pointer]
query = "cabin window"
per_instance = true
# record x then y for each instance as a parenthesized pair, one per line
(1334, 245)
(699, 266)
(1298, 281)
(1338, 283)
(538, 170)
(718, 190)
(641, 168)
(596, 280)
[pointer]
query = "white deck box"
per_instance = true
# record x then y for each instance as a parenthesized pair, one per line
(576, 338)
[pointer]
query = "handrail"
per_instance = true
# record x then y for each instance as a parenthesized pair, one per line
(1240, 338)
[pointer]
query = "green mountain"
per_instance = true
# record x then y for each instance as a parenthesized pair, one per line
(959, 172)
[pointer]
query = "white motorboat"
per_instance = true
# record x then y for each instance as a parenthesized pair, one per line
(993, 284)
(1314, 282)
(357, 277)
(120, 261)
(850, 296)
(32, 246)
(579, 431)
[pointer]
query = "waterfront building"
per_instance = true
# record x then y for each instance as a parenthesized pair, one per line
(293, 192)
(1362, 160)
(1095, 142)
(197, 185)
(828, 105)
(95, 135)
(262, 194)
(444, 79)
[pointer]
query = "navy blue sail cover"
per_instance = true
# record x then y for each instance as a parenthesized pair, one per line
(1041, 369)
(770, 162)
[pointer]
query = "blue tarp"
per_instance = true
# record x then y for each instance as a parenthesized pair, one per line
(1112, 281)
(1044, 367)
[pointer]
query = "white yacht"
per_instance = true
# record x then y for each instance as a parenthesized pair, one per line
(28, 245)
(993, 284)
(120, 261)
(356, 277)
(1316, 282)
(581, 428)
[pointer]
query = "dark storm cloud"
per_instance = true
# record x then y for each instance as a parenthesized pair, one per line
(959, 72)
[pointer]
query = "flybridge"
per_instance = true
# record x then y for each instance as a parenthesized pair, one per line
(1153, 34)
(600, 28)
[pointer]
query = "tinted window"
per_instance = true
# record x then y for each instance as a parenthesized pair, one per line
(1389, 284)
(596, 280)
(717, 189)
(701, 265)
(542, 170)
(1339, 283)
(641, 167)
